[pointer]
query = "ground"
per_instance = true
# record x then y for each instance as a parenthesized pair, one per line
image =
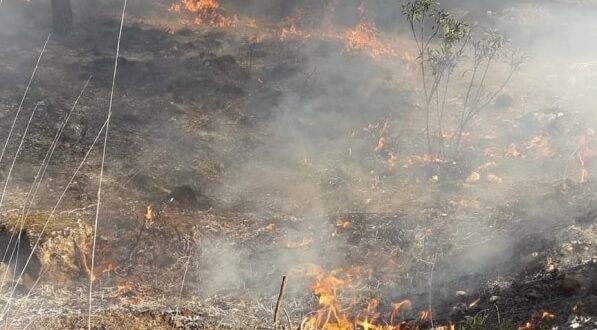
(260, 157)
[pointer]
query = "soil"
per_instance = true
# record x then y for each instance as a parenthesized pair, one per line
(225, 172)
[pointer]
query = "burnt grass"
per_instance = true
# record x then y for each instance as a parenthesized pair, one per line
(245, 159)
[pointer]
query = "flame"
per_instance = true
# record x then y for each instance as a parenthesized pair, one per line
(425, 316)
(512, 151)
(547, 316)
(541, 145)
(149, 215)
(292, 32)
(307, 241)
(538, 321)
(344, 224)
(392, 159)
(584, 153)
(363, 38)
(381, 142)
(417, 160)
(333, 313)
(208, 13)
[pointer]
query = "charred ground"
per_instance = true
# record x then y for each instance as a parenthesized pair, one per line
(258, 157)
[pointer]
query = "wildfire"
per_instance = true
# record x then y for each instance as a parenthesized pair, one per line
(541, 145)
(333, 314)
(208, 13)
(392, 159)
(306, 242)
(585, 153)
(290, 30)
(344, 224)
(149, 215)
(418, 160)
(363, 38)
(538, 321)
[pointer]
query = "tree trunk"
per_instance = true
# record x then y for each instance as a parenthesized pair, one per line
(62, 14)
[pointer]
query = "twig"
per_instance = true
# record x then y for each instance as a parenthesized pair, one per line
(184, 277)
(39, 176)
(12, 165)
(99, 189)
(137, 240)
(279, 302)
(50, 217)
(290, 326)
(14, 123)
(430, 294)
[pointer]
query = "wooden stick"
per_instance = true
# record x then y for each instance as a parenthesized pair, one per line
(279, 302)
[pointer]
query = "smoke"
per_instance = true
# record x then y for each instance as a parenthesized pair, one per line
(317, 160)
(301, 151)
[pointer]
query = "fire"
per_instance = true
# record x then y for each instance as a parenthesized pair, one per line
(512, 151)
(363, 38)
(418, 160)
(149, 215)
(381, 143)
(208, 13)
(541, 145)
(306, 242)
(344, 224)
(290, 30)
(333, 313)
(392, 159)
(425, 316)
(538, 321)
(585, 153)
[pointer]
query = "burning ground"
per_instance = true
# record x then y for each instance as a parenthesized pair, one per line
(252, 141)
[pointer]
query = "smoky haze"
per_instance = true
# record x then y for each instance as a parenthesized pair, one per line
(315, 113)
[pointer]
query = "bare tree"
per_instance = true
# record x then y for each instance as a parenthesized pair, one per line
(62, 15)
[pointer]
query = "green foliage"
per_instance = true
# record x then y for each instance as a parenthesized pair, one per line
(416, 11)
(443, 42)
(477, 322)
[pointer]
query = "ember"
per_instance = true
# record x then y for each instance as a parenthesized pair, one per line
(410, 164)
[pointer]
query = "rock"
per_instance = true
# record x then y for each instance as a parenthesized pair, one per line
(461, 294)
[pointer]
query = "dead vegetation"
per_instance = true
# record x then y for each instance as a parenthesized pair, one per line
(242, 152)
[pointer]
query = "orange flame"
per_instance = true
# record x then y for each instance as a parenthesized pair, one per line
(208, 13)
(363, 38)
(332, 314)
(306, 242)
(538, 321)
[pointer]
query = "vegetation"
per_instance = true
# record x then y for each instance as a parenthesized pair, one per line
(443, 43)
